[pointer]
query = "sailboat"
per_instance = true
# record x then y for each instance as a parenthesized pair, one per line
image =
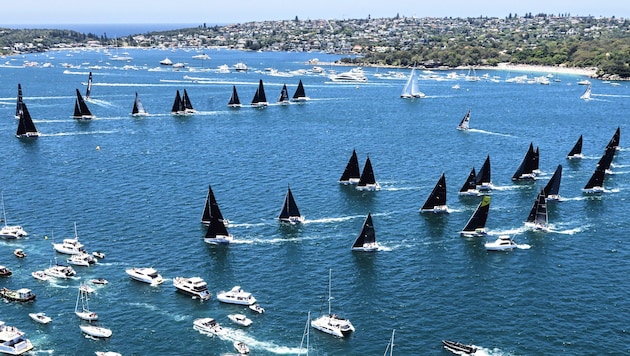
(411, 89)
(83, 310)
(234, 101)
(525, 170)
(332, 323)
(614, 141)
(367, 180)
(470, 186)
(284, 96)
(352, 174)
(89, 87)
(595, 184)
(18, 104)
(463, 125)
(390, 345)
(260, 99)
(553, 186)
(306, 335)
(217, 232)
(605, 161)
(300, 94)
(587, 93)
(10, 232)
(484, 181)
(538, 214)
(290, 212)
(26, 128)
(436, 202)
(182, 105)
(476, 225)
(576, 151)
(211, 208)
(81, 110)
(138, 108)
(366, 241)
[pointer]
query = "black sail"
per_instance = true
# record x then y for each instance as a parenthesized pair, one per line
(553, 186)
(284, 95)
(26, 125)
(186, 101)
(614, 141)
(289, 207)
(484, 173)
(299, 92)
(352, 170)
(89, 87)
(18, 104)
(216, 228)
(438, 195)
(367, 176)
(605, 161)
(259, 97)
(211, 208)
(83, 110)
(367, 234)
(177, 104)
(477, 221)
(471, 182)
(596, 180)
(526, 169)
(138, 108)
(577, 148)
(538, 213)
(234, 101)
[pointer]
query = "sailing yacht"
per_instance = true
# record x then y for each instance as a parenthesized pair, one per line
(411, 89)
(614, 141)
(595, 184)
(260, 99)
(81, 110)
(300, 94)
(525, 170)
(138, 108)
(436, 202)
(484, 181)
(182, 105)
(83, 310)
(10, 232)
(476, 225)
(88, 90)
(367, 180)
(332, 323)
(211, 208)
(366, 241)
(234, 101)
(217, 232)
(464, 123)
(290, 212)
(576, 151)
(306, 335)
(470, 186)
(587, 93)
(284, 96)
(352, 174)
(553, 186)
(537, 218)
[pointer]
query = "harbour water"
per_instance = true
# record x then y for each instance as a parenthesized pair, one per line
(136, 187)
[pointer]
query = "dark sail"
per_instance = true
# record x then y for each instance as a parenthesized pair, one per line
(216, 228)
(367, 176)
(606, 160)
(18, 104)
(260, 99)
(553, 186)
(178, 106)
(186, 102)
(471, 182)
(352, 171)
(596, 180)
(538, 214)
(138, 108)
(81, 110)
(477, 223)
(526, 169)
(367, 234)
(89, 87)
(26, 127)
(576, 151)
(484, 178)
(234, 101)
(536, 161)
(289, 208)
(614, 141)
(437, 197)
(211, 208)
(463, 125)
(284, 95)
(299, 94)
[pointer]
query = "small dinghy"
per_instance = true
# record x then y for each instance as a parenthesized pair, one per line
(41, 318)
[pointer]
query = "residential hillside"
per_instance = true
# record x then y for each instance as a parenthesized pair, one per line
(554, 40)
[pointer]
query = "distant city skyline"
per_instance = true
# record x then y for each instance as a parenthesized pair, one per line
(212, 12)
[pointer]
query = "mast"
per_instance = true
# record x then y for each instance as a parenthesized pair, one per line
(18, 105)
(329, 290)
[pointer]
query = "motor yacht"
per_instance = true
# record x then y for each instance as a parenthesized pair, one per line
(194, 286)
(207, 325)
(240, 319)
(81, 259)
(146, 275)
(503, 243)
(12, 340)
(69, 247)
(354, 75)
(60, 271)
(236, 295)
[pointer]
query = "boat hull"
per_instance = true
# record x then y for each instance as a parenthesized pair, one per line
(96, 331)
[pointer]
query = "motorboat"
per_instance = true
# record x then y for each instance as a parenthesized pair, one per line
(354, 75)
(240, 319)
(257, 308)
(12, 340)
(240, 67)
(98, 254)
(241, 347)
(5, 272)
(194, 286)
(96, 331)
(101, 281)
(107, 353)
(60, 271)
(41, 275)
(81, 259)
(19, 253)
(503, 243)
(459, 348)
(166, 62)
(69, 247)
(41, 317)
(146, 275)
(236, 295)
(207, 325)
(20, 295)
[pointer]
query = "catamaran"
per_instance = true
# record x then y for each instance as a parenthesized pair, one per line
(332, 323)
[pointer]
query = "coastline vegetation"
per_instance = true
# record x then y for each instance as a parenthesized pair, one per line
(542, 39)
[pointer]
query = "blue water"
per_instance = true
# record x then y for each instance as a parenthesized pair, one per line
(139, 199)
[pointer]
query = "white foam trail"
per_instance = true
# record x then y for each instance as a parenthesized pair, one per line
(523, 247)
(490, 133)
(232, 335)
(78, 133)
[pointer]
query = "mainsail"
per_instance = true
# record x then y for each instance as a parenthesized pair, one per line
(89, 87)
(552, 188)
(476, 225)
(614, 141)
(587, 93)
(367, 180)
(284, 95)
(529, 163)
(217, 232)
(188, 108)
(178, 107)
(300, 94)
(138, 108)
(26, 127)
(470, 186)
(484, 181)
(260, 99)
(211, 208)
(411, 89)
(367, 236)
(290, 211)
(81, 110)
(605, 161)
(538, 214)
(436, 202)
(352, 173)
(234, 101)
(576, 151)
(463, 125)
(18, 104)
(596, 183)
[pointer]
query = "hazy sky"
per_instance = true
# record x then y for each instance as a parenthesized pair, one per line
(222, 12)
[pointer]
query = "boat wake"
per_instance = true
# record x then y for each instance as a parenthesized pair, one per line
(100, 103)
(334, 220)
(490, 133)
(78, 133)
(232, 335)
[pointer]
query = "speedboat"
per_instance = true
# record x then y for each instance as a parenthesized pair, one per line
(240, 319)
(60, 271)
(241, 347)
(41, 318)
(69, 247)
(257, 308)
(41, 275)
(207, 325)
(333, 324)
(98, 254)
(96, 331)
(20, 295)
(146, 275)
(101, 281)
(12, 340)
(236, 295)
(194, 286)
(503, 243)
(81, 259)
(5, 272)
(459, 348)
(19, 253)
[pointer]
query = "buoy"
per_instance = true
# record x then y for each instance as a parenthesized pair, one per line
(98, 148)
(46, 237)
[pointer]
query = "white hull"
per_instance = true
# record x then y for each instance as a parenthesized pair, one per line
(236, 296)
(436, 209)
(96, 331)
(194, 287)
(219, 240)
(41, 318)
(333, 325)
(351, 181)
(369, 187)
(293, 220)
(368, 247)
(503, 243)
(146, 275)
(240, 319)
(207, 325)
(41, 275)
(87, 315)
